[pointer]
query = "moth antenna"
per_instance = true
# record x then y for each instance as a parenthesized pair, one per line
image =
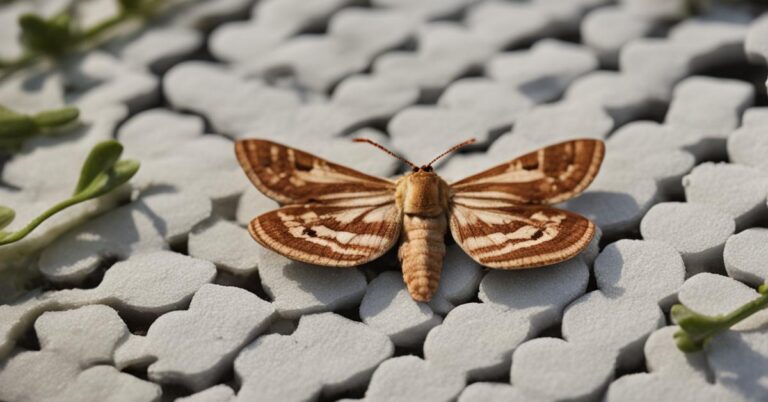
(381, 147)
(453, 149)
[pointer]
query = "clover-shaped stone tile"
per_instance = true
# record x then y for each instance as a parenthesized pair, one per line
(106, 384)
(219, 322)
(154, 221)
(217, 393)
(738, 190)
(697, 231)
(557, 122)
(539, 294)
(273, 22)
(476, 339)
(20, 375)
(756, 45)
(746, 259)
(326, 355)
(623, 96)
(160, 48)
(298, 288)
(748, 144)
(712, 295)
(411, 378)
(544, 71)
(226, 244)
(388, 307)
(608, 29)
(494, 391)
(647, 269)
(459, 280)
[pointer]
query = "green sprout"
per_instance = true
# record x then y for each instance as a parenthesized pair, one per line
(15, 127)
(55, 36)
(697, 329)
(102, 172)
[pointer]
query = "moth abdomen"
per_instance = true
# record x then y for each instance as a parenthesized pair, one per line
(421, 253)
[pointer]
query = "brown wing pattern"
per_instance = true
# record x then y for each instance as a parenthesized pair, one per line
(291, 176)
(343, 235)
(550, 175)
(514, 237)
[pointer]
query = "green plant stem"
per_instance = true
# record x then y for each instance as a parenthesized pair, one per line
(20, 234)
(697, 329)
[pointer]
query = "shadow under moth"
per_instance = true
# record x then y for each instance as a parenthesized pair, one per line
(335, 216)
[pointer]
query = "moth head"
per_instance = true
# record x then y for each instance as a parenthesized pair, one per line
(414, 168)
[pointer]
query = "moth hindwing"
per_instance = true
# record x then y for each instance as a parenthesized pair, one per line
(336, 216)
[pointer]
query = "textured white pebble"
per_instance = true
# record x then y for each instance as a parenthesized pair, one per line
(642, 387)
(656, 9)
(500, 103)
(712, 295)
(106, 384)
(640, 268)
(445, 52)
(712, 106)
(252, 204)
(163, 129)
(557, 122)
(101, 81)
(298, 288)
(494, 391)
(227, 245)
(539, 294)
(666, 167)
(219, 322)
(459, 280)
(740, 191)
(476, 339)
(562, 370)
(87, 335)
(420, 133)
(73, 256)
(608, 29)
(756, 44)
(623, 96)
(409, 378)
(143, 286)
(21, 374)
(232, 105)
(388, 307)
(326, 355)
(663, 357)
(161, 48)
(697, 231)
(746, 257)
(155, 221)
(152, 283)
(508, 24)
(616, 324)
(748, 145)
(544, 71)
(355, 35)
(649, 137)
(271, 24)
(740, 362)
(615, 204)
(217, 393)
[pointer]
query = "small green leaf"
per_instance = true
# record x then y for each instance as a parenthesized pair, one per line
(52, 36)
(6, 216)
(57, 117)
(102, 158)
(14, 125)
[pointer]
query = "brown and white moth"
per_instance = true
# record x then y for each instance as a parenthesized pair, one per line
(336, 216)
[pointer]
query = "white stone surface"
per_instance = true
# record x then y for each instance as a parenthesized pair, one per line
(219, 322)
(388, 307)
(697, 231)
(106, 384)
(409, 378)
(746, 259)
(748, 144)
(227, 245)
(325, 355)
(217, 393)
(297, 288)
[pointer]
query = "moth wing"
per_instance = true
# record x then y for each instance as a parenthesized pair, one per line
(547, 176)
(341, 235)
(291, 176)
(514, 237)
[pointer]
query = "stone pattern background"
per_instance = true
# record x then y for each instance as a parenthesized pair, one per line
(158, 293)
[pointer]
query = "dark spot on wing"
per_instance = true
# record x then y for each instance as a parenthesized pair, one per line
(536, 235)
(309, 232)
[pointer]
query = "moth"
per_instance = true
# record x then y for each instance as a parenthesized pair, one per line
(332, 215)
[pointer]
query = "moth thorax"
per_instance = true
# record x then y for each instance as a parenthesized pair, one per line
(424, 194)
